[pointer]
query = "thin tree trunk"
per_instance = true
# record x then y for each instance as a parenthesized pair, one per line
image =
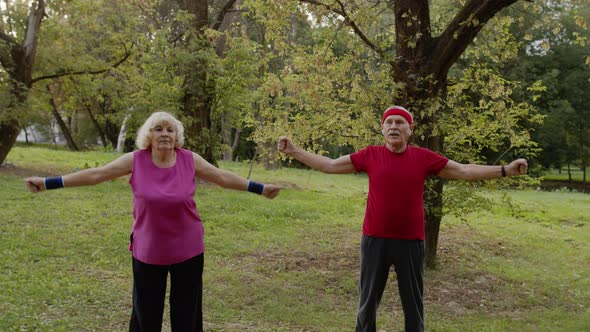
(123, 133)
(103, 138)
(234, 145)
(226, 136)
(62, 125)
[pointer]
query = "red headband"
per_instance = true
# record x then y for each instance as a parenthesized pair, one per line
(397, 110)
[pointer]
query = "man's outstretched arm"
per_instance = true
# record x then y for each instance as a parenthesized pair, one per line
(323, 164)
(456, 171)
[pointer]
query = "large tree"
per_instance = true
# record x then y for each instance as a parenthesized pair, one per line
(417, 57)
(18, 50)
(196, 103)
(19, 46)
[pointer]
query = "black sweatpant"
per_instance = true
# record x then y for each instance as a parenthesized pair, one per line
(377, 256)
(149, 294)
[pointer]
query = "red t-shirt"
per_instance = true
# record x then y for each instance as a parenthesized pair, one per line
(395, 207)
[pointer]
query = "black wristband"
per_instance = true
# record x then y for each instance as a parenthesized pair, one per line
(54, 183)
(503, 171)
(255, 187)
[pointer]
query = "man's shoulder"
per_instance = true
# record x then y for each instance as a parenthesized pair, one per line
(419, 149)
(371, 149)
(425, 152)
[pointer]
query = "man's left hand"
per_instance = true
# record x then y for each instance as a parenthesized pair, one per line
(517, 167)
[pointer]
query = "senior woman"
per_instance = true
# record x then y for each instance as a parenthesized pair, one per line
(167, 233)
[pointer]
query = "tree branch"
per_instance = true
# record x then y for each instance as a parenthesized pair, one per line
(32, 31)
(222, 13)
(462, 30)
(86, 72)
(321, 4)
(9, 39)
(342, 12)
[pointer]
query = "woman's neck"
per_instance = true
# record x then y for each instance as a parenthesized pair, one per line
(164, 157)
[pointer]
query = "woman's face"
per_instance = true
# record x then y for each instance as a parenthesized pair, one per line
(163, 136)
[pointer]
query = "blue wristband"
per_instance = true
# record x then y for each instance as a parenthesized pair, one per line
(54, 183)
(255, 187)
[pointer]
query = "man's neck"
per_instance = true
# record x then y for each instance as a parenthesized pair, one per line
(397, 148)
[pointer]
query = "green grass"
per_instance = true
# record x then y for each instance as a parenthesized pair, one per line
(577, 175)
(288, 264)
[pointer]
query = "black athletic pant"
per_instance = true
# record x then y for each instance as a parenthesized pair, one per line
(377, 256)
(149, 293)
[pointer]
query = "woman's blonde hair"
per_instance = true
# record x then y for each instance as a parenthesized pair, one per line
(144, 135)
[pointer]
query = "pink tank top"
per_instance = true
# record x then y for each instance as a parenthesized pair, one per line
(167, 227)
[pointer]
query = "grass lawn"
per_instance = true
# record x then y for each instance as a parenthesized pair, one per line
(577, 175)
(288, 264)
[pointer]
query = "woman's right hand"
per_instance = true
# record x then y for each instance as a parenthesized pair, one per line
(35, 184)
(271, 191)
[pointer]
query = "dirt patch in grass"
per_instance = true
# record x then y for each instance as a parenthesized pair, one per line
(13, 170)
(286, 185)
(341, 258)
(456, 288)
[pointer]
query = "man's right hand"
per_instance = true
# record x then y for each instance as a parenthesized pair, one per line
(286, 146)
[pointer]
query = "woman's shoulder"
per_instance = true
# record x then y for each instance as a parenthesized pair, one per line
(140, 152)
(184, 152)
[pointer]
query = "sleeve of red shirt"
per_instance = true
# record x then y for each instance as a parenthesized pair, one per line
(359, 159)
(435, 162)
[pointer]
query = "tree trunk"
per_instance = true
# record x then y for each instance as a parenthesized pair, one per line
(17, 60)
(111, 130)
(103, 137)
(226, 135)
(425, 77)
(123, 133)
(62, 125)
(433, 193)
(223, 24)
(26, 135)
(433, 206)
(196, 102)
(584, 154)
(234, 145)
(9, 132)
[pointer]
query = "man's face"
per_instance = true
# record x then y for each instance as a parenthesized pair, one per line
(396, 130)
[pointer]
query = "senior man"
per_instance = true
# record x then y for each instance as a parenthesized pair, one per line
(393, 227)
